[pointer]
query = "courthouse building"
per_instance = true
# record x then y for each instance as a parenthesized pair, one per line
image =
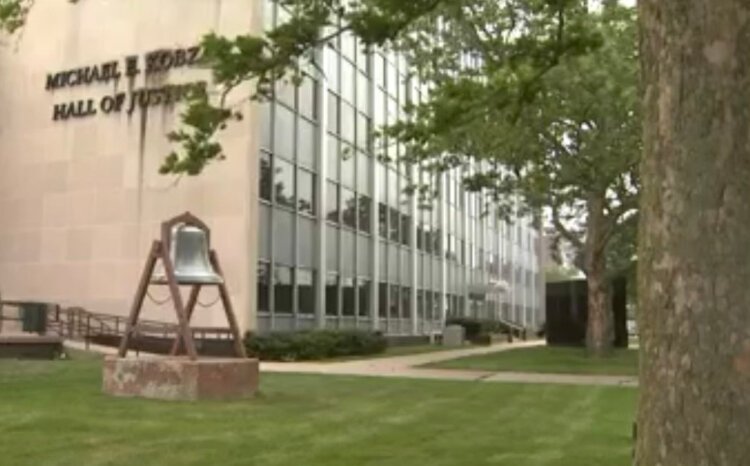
(312, 228)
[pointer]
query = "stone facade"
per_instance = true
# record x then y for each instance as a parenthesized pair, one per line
(80, 198)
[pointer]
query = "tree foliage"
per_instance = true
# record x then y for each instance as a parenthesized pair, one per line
(536, 33)
(13, 14)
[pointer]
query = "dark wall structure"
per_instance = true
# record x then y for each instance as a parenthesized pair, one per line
(567, 313)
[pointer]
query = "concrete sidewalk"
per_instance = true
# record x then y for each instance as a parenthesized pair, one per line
(408, 367)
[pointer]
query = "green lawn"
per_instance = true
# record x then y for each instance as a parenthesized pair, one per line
(54, 414)
(548, 360)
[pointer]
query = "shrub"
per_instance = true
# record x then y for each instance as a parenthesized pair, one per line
(309, 345)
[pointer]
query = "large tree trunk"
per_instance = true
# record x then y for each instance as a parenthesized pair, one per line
(599, 328)
(694, 264)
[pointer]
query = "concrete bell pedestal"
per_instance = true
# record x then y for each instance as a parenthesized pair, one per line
(180, 379)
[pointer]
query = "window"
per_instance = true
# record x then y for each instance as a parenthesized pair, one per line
(394, 301)
(364, 298)
(394, 225)
(306, 143)
(349, 208)
(283, 239)
(348, 165)
(405, 301)
(264, 281)
(347, 81)
(307, 96)
(365, 207)
(284, 183)
(284, 133)
(363, 173)
(348, 251)
(332, 204)
(348, 292)
(333, 113)
(266, 138)
(363, 92)
(405, 229)
(266, 177)
(382, 221)
(332, 295)
(283, 286)
(306, 291)
(347, 122)
(306, 192)
(363, 132)
(332, 158)
(382, 299)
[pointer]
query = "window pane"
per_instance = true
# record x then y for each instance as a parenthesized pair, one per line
(363, 93)
(405, 301)
(347, 81)
(332, 159)
(283, 280)
(363, 255)
(365, 208)
(306, 291)
(394, 301)
(266, 177)
(332, 204)
(307, 94)
(332, 248)
(348, 162)
(265, 127)
(283, 240)
(405, 229)
(394, 225)
(333, 113)
(306, 192)
(307, 236)
(284, 133)
(264, 232)
(332, 295)
(332, 69)
(363, 173)
(346, 121)
(382, 299)
(284, 183)
(382, 220)
(347, 252)
(349, 208)
(364, 298)
(286, 93)
(363, 132)
(264, 280)
(306, 145)
(348, 293)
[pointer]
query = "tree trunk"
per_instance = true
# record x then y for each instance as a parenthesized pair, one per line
(694, 266)
(599, 329)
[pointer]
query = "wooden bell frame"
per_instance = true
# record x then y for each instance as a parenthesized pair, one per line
(160, 250)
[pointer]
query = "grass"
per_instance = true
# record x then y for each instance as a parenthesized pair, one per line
(52, 413)
(553, 360)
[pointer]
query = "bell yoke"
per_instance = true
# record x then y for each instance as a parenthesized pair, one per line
(187, 259)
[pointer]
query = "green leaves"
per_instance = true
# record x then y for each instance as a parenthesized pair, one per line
(202, 121)
(13, 14)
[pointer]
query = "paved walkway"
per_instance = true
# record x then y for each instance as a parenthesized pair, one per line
(407, 366)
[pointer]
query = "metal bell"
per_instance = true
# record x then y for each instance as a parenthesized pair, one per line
(189, 252)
